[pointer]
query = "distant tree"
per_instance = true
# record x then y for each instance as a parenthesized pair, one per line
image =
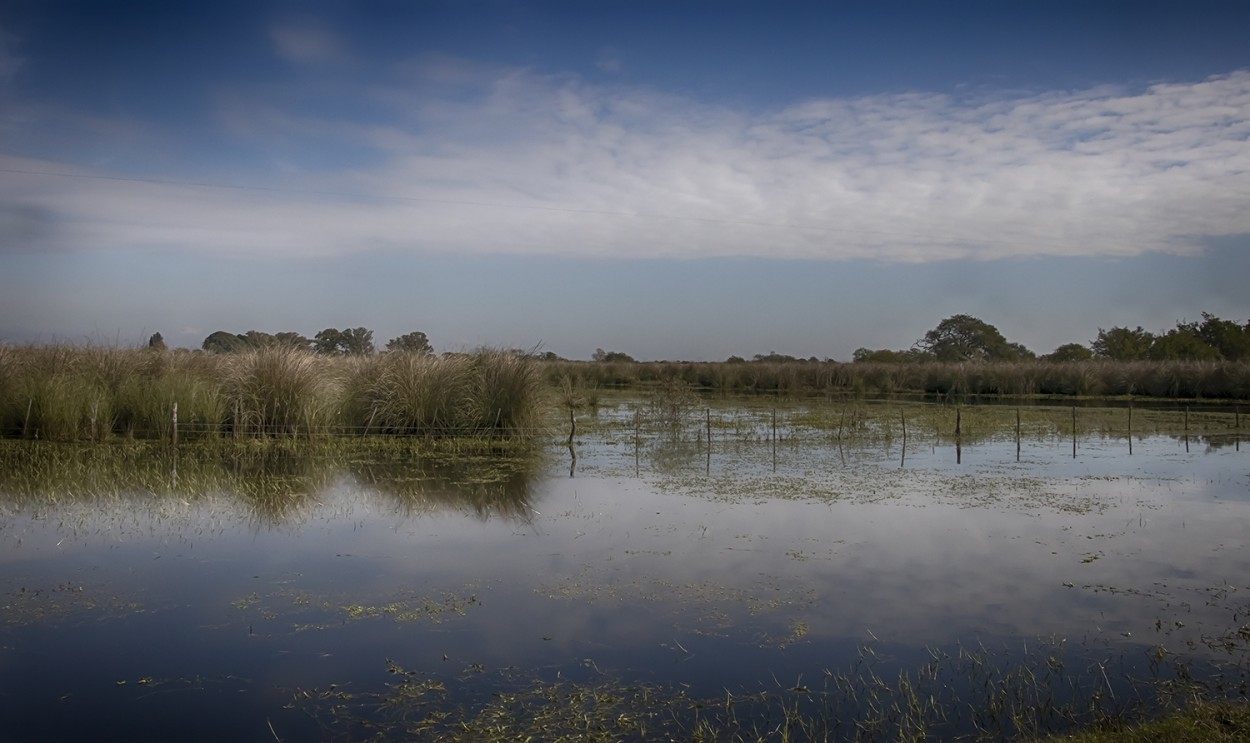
(549, 356)
(1122, 344)
(258, 339)
(414, 342)
(774, 358)
(1227, 337)
(601, 356)
(1017, 352)
(880, 356)
(223, 342)
(357, 341)
(347, 342)
(1069, 352)
(735, 360)
(156, 342)
(289, 339)
(966, 338)
(1182, 343)
(328, 341)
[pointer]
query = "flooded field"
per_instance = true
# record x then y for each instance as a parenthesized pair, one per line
(721, 569)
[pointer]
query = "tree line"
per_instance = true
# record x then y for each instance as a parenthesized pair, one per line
(959, 338)
(331, 342)
(965, 338)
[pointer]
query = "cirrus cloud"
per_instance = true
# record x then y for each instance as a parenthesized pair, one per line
(509, 161)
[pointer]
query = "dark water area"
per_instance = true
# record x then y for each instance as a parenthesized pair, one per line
(778, 577)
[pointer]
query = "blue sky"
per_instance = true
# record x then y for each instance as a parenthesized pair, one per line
(670, 179)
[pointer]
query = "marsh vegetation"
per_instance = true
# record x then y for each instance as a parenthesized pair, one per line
(63, 393)
(714, 569)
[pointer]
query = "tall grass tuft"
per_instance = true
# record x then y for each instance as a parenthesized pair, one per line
(408, 394)
(281, 391)
(509, 395)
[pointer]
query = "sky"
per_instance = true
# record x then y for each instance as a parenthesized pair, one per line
(670, 179)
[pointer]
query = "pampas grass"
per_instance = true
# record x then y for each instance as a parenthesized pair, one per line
(66, 393)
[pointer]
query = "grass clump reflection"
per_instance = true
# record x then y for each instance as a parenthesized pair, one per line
(274, 481)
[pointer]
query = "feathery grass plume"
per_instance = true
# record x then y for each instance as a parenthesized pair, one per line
(282, 391)
(509, 396)
(418, 394)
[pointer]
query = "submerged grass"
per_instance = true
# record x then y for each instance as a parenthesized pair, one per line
(1198, 722)
(962, 693)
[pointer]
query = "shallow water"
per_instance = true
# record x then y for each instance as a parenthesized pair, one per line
(178, 604)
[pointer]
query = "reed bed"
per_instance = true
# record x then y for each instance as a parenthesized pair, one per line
(1210, 380)
(65, 393)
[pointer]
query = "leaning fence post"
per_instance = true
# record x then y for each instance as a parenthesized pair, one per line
(26, 422)
(174, 421)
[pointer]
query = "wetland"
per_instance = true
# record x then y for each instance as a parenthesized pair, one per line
(684, 568)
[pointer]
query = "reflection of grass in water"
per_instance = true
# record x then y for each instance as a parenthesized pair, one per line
(969, 693)
(276, 481)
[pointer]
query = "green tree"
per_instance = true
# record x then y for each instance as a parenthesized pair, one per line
(258, 339)
(1069, 352)
(966, 338)
(329, 342)
(774, 357)
(1182, 343)
(1227, 337)
(1122, 344)
(610, 356)
(223, 342)
(348, 342)
(156, 342)
(886, 356)
(357, 341)
(289, 339)
(414, 342)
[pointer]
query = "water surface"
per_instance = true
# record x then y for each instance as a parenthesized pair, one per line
(302, 596)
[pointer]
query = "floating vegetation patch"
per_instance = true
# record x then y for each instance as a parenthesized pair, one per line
(24, 606)
(964, 693)
(304, 610)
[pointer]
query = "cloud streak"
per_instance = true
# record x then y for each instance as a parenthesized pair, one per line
(460, 157)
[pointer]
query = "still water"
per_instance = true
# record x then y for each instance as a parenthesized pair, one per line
(637, 586)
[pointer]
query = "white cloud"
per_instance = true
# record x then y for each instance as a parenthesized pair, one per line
(474, 159)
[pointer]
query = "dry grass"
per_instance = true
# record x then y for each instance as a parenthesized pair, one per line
(65, 393)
